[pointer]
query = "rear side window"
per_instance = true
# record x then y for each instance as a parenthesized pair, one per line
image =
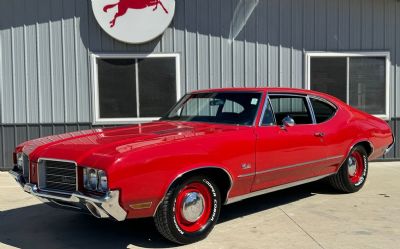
(295, 107)
(323, 111)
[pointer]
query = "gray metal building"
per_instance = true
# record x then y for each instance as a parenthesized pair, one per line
(54, 58)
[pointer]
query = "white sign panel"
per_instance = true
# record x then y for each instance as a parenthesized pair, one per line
(134, 21)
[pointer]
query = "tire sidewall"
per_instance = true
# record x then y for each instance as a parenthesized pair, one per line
(186, 237)
(351, 186)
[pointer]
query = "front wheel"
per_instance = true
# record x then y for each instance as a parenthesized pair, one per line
(353, 173)
(189, 210)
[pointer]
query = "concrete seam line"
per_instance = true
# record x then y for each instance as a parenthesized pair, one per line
(309, 235)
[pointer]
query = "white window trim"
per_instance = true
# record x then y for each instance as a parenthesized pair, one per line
(386, 54)
(95, 88)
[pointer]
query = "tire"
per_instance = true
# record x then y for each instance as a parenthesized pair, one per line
(185, 227)
(353, 173)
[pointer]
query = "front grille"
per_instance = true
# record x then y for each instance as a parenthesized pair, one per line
(59, 176)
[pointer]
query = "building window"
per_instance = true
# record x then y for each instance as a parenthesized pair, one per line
(134, 88)
(355, 78)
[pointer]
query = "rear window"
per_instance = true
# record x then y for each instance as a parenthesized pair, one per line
(322, 110)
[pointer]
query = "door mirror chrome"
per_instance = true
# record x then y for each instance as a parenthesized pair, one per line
(288, 121)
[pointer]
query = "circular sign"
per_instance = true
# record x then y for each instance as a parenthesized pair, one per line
(134, 21)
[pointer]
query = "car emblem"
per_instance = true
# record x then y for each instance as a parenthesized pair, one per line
(66, 179)
(246, 166)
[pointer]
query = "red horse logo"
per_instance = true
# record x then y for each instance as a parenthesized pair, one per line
(124, 5)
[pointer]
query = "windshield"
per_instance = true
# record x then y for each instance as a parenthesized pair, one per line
(218, 107)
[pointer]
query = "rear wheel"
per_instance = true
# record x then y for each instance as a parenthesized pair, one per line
(353, 173)
(189, 210)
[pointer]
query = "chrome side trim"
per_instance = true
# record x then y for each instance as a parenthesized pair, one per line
(188, 171)
(291, 166)
(273, 189)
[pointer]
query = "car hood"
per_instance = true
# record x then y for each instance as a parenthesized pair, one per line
(109, 142)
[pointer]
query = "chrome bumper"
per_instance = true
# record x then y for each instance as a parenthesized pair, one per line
(100, 207)
(390, 146)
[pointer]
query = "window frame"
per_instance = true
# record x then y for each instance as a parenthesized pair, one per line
(268, 102)
(383, 54)
(96, 119)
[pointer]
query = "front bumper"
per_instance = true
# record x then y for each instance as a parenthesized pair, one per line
(101, 207)
(389, 148)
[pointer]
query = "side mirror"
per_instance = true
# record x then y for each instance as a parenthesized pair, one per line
(288, 121)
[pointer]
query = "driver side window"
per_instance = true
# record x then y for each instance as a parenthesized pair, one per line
(295, 107)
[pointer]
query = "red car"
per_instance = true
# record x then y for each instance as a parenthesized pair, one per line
(214, 147)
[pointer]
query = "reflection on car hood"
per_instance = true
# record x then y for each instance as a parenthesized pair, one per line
(111, 141)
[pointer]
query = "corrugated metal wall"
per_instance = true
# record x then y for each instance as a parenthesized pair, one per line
(45, 47)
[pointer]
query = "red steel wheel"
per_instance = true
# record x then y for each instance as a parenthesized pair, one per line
(189, 210)
(193, 207)
(353, 173)
(356, 167)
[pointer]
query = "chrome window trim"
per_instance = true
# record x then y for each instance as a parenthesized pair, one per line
(311, 108)
(266, 103)
(326, 102)
(298, 95)
(292, 166)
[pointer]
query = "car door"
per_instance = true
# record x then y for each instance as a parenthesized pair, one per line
(291, 152)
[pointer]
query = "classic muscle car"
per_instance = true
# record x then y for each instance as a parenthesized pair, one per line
(214, 147)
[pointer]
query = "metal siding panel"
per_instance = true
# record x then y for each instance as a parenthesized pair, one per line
(31, 61)
(378, 25)
(262, 44)
(56, 62)
(9, 140)
(46, 130)
(297, 44)
(285, 47)
(355, 24)
(332, 24)
(238, 57)
(81, 57)
(226, 44)
(250, 61)
(69, 73)
(273, 38)
(18, 59)
(214, 26)
(396, 61)
(191, 45)
(203, 59)
(367, 24)
(308, 25)
(179, 41)
(390, 45)
(6, 76)
(320, 25)
(344, 25)
(21, 134)
(33, 131)
(45, 96)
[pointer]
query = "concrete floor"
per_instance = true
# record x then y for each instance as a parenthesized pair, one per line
(309, 216)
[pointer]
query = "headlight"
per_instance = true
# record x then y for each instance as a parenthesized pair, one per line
(20, 161)
(95, 180)
(103, 183)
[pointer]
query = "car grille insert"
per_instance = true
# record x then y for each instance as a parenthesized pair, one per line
(59, 176)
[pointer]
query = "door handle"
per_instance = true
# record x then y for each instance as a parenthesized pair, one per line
(319, 134)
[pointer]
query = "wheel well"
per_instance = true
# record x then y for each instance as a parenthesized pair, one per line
(218, 175)
(367, 146)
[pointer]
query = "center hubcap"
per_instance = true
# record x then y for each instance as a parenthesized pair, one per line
(352, 166)
(193, 206)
